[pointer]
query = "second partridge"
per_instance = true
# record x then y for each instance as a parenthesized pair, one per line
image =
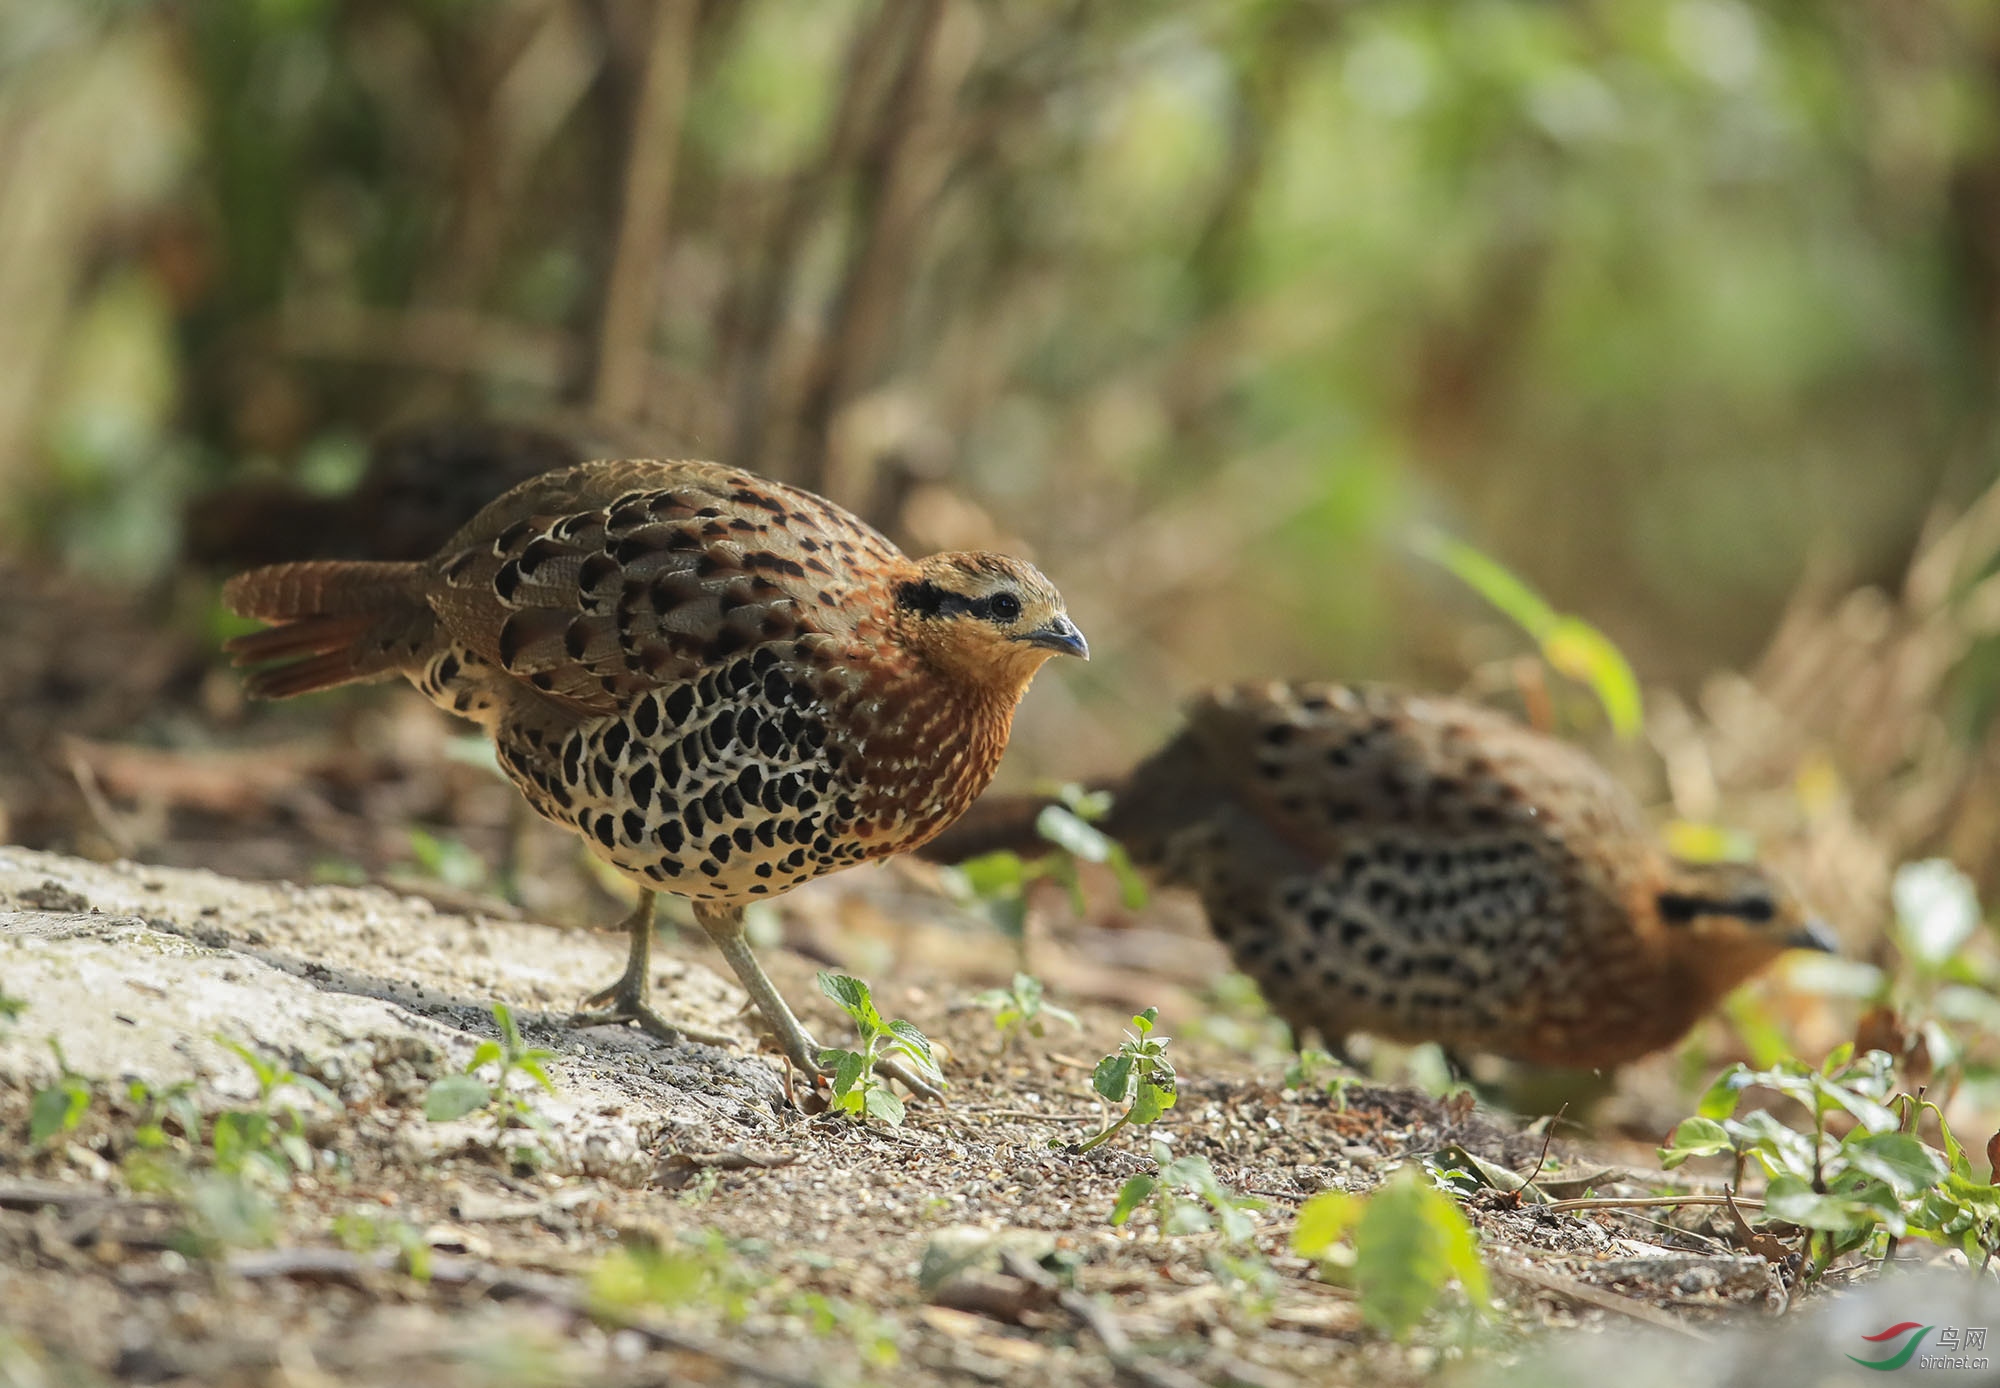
(1424, 869)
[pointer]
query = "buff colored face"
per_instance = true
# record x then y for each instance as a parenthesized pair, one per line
(987, 617)
(1728, 920)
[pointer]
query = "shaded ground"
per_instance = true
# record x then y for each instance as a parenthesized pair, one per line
(684, 1218)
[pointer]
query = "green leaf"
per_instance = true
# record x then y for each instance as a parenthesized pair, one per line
(994, 874)
(454, 1096)
(913, 1043)
(1132, 893)
(1902, 1160)
(1156, 1095)
(531, 1066)
(1791, 1199)
(1695, 1137)
(1570, 644)
(1588, 656)
(1131, 1196)
(1410, 1242)
(233, 1211)
(1323, 1221)
(1072, 835)
(56, 1110)
(848, 1068)
(1875, 1117)
(1937, 909)
(881, 1103)
(854, 999)
(486, 1053)
(1488, 578)
(1145, 1021)
(1720, 1098)
(1113, 1077)
(1181, 1217)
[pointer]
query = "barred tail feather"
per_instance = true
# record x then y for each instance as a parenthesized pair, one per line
(336, 623)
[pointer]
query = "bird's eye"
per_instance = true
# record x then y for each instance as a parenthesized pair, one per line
(1006, 607)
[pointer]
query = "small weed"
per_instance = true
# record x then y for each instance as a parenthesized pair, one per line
(1853, 1191)
(856, 1087)
(57, 1108)
(273, 1133)
(156, 1106)
(708, 1272)
(1186, 1198)
(1021, 1009)
(705, 1273)
(1236, 1016)
(455, 1096)
(1000, 882)
(1307, 1070)
(874, 1337)
(1138, 1075)
(1401, 1246)
(364, 1231)
(447, 860)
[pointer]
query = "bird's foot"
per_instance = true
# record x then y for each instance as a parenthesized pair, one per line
(625, 1003)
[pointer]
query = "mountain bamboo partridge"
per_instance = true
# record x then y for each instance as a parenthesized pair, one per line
(727, 686)
(1424, 869)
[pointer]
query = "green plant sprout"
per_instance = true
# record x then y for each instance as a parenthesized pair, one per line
(1307, 1070)
(1853, 1191)
(1021, 1009)
(56, 1109)
(1569, 644)
(857, 1089)
(365, 1231)
(273, 1133)
(447, 860)
(1138, 1075)
(1000, 881)
(1187, 1198)
(455, 1096)
(1401, 1246)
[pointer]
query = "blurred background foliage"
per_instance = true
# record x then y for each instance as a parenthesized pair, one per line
(1688, 311)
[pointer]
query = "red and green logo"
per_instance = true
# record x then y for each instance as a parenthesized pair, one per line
(1884, 1337)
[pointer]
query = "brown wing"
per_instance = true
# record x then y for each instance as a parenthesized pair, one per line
(599, 582)
(1319, 763)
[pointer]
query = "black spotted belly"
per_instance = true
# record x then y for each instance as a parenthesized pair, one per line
(730, 797)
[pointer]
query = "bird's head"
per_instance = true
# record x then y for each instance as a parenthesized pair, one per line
(1725, 921)
(986, 618)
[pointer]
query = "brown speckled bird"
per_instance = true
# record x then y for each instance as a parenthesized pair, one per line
(1424, 869)
(726, 685)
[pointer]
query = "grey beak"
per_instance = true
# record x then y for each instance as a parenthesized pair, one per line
(1814, 935)
(1059, 635)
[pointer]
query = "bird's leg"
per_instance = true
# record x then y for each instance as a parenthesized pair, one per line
(626, 1000)
(724, 925)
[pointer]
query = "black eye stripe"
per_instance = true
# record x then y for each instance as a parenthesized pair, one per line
(1679, 909)
(930, 600)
